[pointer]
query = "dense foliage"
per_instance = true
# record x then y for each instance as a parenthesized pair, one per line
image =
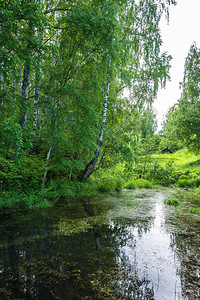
(63, 69)
(183, 124)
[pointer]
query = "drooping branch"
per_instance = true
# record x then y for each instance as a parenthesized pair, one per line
(118, 91)
(133, 109)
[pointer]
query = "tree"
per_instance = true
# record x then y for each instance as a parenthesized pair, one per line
(135, 44)
(185, 117)
(63, 68)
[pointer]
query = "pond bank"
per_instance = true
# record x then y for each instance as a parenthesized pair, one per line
(128, 245)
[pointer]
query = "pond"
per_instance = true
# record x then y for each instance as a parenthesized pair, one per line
(127, 245)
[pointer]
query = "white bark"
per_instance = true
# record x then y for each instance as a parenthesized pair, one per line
(37, 85)
(47, 162)
(50, 144)
(14, 85)
(1, 81)
(41, 122)
(21, 77)
(90, 167)
(1, 76)
(36, 95)
(25, 90)
(1, 73)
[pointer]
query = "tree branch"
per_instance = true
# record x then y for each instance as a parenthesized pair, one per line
(135, 106)
(55, 10)
(118, 91)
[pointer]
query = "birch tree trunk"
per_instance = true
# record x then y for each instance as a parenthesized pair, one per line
(36, 95)
(89, 169)
(1, 82)
(25, 81)
(41, 122)
(47, 161)
(37, 84)
(50, 143)
(1, 72)
(25, 89)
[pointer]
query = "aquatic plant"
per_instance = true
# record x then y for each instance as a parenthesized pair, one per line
(172, 201)
(130, 203)
(177, 213)
(71, 227)
(194, 210)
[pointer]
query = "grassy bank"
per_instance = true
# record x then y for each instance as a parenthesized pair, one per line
(180, 169)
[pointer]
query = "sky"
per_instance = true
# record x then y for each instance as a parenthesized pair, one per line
(178, 35)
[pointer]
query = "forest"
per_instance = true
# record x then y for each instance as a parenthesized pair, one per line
(77, 83)
(95, 202)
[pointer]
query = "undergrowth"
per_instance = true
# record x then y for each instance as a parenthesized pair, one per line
(181, 169)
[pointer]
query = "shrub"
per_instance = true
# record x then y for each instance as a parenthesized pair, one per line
(185, 183)
(131, 185)
(9, 175)
(197, 190)
(32, 200)
(183, 177)
(32, 170)
(196, 181)
(106, 181)
(139, 183)
(164, 175)
(143, 183)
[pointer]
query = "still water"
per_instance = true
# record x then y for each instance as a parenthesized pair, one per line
(128, 245)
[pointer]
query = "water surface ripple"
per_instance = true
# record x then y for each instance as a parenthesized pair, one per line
(127, 245)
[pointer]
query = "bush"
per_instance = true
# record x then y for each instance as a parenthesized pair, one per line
(163, 175)
(196, 181)
(143, 183)
(139, 183)
(32, 170)
(183, 177)
(197, 190)
(106, 181)
(20, 200)
(9, 175)
(131, 185)
(185, 183)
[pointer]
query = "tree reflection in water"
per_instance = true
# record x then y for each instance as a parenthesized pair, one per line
(99, 261)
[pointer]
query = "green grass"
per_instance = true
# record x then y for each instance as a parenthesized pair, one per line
(138, 183)
(21, 200)
(131, 185)
(181, 168)
(183, 160)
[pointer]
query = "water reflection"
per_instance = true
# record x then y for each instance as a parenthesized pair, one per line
(125, 253)
(154, 259)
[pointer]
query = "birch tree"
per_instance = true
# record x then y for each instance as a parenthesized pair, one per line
(183, 120)
(84, 53)
(136, 61)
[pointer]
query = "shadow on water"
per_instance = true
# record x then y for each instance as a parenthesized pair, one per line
(123, 246)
